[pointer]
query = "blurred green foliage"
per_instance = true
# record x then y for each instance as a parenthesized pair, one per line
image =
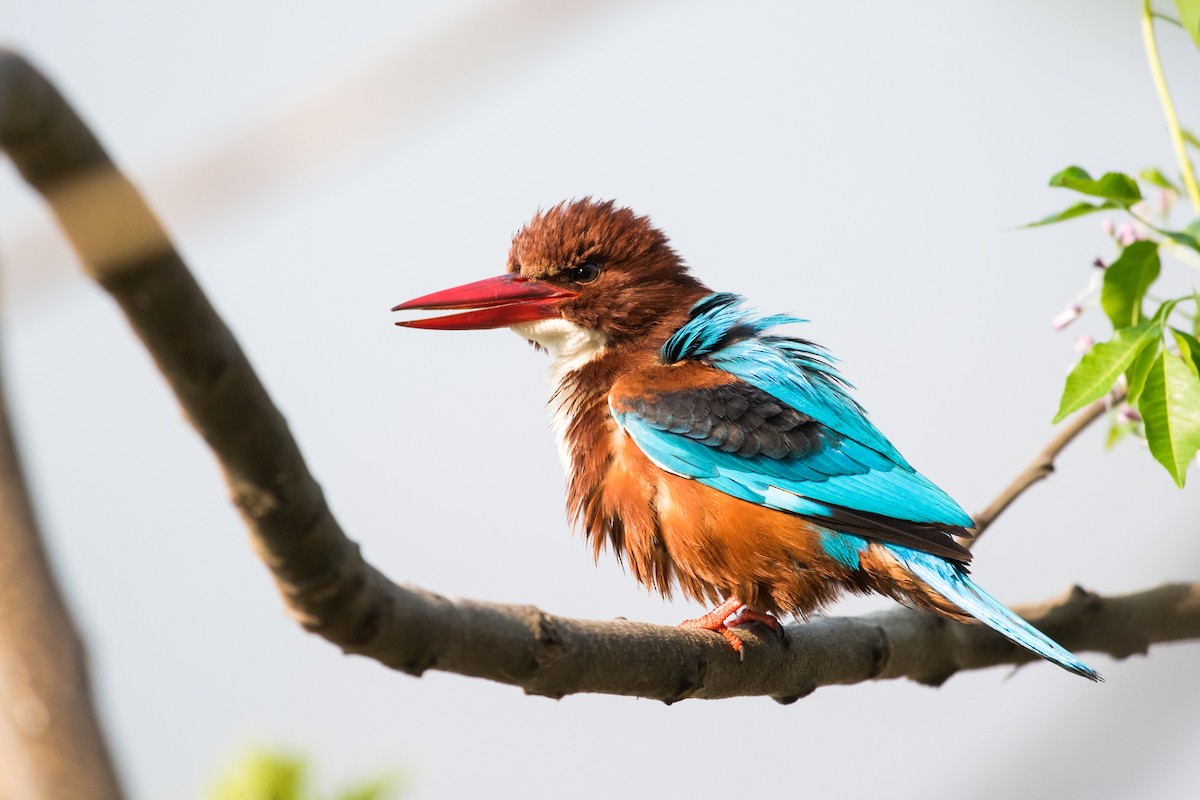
(280, 776)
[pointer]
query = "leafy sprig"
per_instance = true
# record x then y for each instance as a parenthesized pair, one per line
(1153, 360)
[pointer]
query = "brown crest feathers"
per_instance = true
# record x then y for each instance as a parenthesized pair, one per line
(639, 280)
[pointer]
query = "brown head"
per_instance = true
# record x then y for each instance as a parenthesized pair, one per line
(582, 274)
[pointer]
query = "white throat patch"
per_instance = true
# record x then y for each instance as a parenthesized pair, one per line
(570, 346)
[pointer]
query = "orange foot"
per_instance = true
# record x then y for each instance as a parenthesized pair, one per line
(718, 620)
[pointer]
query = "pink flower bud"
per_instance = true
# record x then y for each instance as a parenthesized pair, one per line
(1166, 199)
(1083, 344)
(1066, 316)
(1127, 234)
(1127, 413)
(1107, 225)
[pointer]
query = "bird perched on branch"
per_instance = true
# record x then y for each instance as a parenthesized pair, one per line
(709, 453)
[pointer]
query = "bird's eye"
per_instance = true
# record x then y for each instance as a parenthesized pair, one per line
(584, 273)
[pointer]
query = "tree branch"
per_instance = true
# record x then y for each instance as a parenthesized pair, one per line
(1043, 463)
(51, 742)
(332, 591)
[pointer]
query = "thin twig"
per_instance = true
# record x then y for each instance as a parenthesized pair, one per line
(1174, 129)
(1043, 463)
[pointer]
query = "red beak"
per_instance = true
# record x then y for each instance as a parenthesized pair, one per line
(498, 302)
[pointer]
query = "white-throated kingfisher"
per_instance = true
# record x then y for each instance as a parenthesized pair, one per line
(710, 454)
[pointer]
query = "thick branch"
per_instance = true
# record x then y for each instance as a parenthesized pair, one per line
(413, 630)
(333, 592)
(1042, 465)
(51, 743)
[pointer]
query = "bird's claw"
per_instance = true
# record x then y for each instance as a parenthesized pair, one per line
(718, 620)
(746, 616)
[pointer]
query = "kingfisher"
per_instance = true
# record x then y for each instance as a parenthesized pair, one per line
(710, 453)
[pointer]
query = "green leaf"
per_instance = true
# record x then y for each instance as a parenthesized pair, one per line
(1165, 310)
(1190, 137)
(1115, 186)
(1189, 349)
(279, 776)
(1189, 17)
(1179, 237)
(378, 789)
(1170, 409)
(1195, 312)
(1155, 176)
(1077, 210)
(1126, 281)
(1100, 367)
(264, 776)
(1135, 376)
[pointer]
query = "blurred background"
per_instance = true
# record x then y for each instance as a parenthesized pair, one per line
(865, 165)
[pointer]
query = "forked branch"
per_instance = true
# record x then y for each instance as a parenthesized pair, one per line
(1042, 465)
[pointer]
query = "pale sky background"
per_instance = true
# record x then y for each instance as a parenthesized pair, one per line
(865, 165)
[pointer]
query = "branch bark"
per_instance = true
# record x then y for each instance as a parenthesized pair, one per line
(51, 742)
(332, 591)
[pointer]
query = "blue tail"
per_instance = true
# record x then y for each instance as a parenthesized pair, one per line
(952, 583)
